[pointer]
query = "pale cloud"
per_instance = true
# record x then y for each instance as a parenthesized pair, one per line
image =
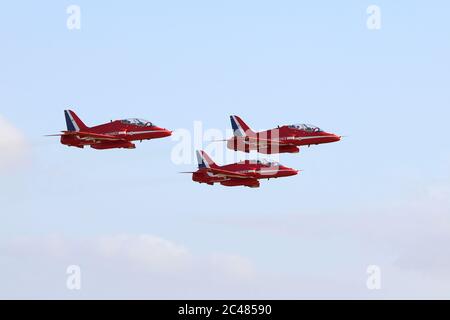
(146, 252)
(143, 251)
(328, 254)
(232, 266)
(408, 237)
(418, 223)
(127, 266)
(13, 146)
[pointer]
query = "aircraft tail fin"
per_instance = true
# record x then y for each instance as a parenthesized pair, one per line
(240, 128)
(204, 161)
(73, 122)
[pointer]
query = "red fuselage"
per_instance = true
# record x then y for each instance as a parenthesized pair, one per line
(253, 170)
(283, 139)
(122, 131)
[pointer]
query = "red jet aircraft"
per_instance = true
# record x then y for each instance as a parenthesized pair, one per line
(245, 173)
(115, 134)
(284, 139)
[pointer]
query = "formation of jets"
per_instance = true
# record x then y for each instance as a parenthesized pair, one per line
(283, 139)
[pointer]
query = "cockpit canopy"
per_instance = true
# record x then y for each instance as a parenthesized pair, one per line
(305, 127)
(268, 163)
(137, 122)
(262, 162)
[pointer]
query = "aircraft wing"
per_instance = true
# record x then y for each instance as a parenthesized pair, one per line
(227, 173)
(91, 136)
(267, 142)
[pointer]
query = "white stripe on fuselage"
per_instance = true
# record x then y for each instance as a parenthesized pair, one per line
(268, 142)
(306, 138)
(132, 133)
(257, 171)
(141, 132)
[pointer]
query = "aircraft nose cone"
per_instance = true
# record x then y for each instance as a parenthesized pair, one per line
(167, 133)
(290, 172)
(336, 137)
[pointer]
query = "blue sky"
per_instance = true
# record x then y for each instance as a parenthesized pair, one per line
(378, 197)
